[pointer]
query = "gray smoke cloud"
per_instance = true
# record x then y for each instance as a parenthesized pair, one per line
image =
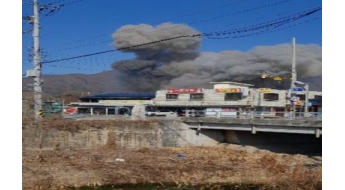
(178, 62)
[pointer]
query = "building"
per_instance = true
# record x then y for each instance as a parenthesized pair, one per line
(232, 97)
(226, 99)
(112, 103)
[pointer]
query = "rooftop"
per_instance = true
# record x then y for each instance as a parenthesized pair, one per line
(233, 83)
(130, 95)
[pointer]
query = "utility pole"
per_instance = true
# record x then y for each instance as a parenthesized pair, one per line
(306, 101)
(293, 77)
(293, 68)
(36, 72)
(294, 82)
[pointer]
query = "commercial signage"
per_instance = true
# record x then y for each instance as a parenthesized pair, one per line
(277, 78)
(229, 109)
(228, 90)
(264, 90)
(184, 90)
(297, 89)
(70, 110)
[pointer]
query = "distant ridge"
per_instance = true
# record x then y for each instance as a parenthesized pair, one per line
(105, 82)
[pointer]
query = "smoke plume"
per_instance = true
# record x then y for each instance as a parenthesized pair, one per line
(176, 62)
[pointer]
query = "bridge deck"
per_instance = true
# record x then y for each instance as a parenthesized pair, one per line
(301, 126)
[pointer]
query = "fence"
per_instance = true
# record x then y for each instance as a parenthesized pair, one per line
(253, 114)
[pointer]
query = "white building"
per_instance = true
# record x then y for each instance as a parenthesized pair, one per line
(231, 97)
(225, 99)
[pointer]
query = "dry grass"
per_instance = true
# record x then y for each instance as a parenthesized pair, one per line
(202, 167)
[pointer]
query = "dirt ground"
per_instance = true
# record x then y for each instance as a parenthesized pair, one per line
(226, 164)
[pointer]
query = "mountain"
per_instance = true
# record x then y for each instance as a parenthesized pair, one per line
(105, 82)
(56, 85)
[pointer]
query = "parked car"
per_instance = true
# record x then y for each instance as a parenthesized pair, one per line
(158, 112)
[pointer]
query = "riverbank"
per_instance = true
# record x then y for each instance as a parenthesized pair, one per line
(59, 154)
(183, 166)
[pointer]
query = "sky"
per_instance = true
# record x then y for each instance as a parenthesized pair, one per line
(72, 30)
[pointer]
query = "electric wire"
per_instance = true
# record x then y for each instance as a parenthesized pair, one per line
(190, 14)
(196, 22)
(172, 38)
(109, 41)
(203, 35)
(165, 20)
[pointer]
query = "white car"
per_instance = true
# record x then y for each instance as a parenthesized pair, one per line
(158, 112)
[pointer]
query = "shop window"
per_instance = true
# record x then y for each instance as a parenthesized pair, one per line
(233, 96)
(198, 96)
(271, 96)
(172, 96)
(318, 97)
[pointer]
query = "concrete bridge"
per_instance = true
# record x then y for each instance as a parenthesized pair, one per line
(278, 135)
(255, 125)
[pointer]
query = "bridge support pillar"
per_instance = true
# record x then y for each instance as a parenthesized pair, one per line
(253, 129)
(317, 133)
(198, 129)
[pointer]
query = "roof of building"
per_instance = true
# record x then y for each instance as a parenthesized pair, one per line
(233, 83)
(130, 95)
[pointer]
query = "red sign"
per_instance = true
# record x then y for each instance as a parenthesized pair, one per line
(71, 110)
(229, 109)
(184, 90)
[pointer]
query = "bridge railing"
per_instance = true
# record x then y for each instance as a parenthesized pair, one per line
(254, 114)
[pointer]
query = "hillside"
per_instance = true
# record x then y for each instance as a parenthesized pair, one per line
(108, 81)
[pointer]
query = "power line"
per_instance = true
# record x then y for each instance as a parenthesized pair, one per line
(240, 12)
(208, 19)
(211, 18)
(304, 14)
(101, 65)
(187, 15)
(37, 63)
(229, 32)
(76, 57)
(108, 41)
(45, 7)
(55, 8)
(270, 31)
(108, 51)
(169, 19)
(269, 25)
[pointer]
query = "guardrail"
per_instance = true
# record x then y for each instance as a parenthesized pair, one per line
(253, 114)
